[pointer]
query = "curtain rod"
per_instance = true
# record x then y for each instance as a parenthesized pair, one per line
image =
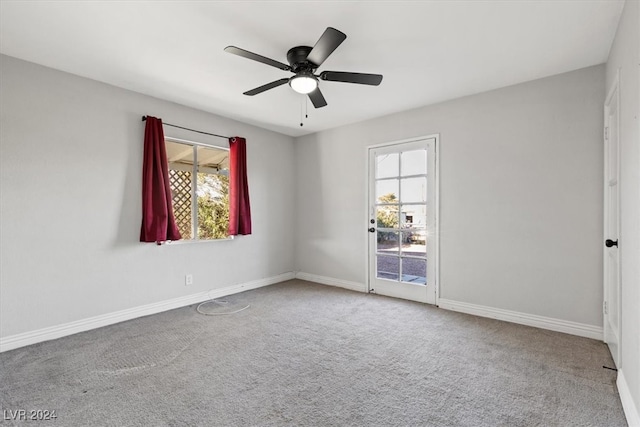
(191, 130)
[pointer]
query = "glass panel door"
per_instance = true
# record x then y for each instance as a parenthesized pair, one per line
(401, 201)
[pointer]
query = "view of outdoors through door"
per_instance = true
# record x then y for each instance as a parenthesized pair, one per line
(402, 226)
(400, 193)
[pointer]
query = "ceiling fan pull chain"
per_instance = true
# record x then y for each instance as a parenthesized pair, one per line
(301, 113)
(306, 107)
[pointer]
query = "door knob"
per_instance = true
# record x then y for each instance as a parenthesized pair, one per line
(372, 230)
(608, 243)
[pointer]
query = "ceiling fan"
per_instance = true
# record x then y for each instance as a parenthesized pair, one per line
(303, 62)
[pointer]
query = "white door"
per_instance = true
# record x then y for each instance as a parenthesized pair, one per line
(402, 220)
(611, 306)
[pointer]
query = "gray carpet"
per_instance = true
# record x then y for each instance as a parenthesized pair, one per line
(312, 355)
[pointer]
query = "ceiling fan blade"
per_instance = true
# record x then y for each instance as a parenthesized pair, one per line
(266, 87)
(250, 55)
(360, 78)
(328, 42)
(317, 99)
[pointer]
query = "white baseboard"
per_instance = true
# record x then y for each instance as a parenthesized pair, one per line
(354, 286)
(27, 338)
(630, 408)
(558, 325)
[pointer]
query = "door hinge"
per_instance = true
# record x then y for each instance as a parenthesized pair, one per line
(606, 133)
(604, 307)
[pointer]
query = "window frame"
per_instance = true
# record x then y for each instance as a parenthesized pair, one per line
(194, 189)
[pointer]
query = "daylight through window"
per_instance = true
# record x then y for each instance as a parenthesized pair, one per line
(199, 178)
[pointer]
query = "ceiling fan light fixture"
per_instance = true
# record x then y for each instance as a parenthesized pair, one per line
(303, 83)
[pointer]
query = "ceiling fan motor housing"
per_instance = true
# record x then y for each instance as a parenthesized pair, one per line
(297, 57)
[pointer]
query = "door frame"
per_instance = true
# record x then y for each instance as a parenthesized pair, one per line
(436, 210)
(614, 90)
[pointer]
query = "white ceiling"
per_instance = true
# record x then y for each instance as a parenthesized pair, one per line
(428, 51)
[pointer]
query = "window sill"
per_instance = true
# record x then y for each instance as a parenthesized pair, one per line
(187, 242)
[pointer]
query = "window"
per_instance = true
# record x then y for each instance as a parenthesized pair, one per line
(199, 179)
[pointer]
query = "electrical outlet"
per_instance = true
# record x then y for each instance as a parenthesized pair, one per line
(188, 279)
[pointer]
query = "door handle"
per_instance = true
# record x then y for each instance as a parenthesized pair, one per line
(372, 230)
(609, 243)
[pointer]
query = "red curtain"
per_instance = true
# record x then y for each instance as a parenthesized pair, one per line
(239, 209)
(158, 222)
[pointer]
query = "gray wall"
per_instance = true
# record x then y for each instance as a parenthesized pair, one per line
(520, 196)
(625, 57)
(71, 160)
